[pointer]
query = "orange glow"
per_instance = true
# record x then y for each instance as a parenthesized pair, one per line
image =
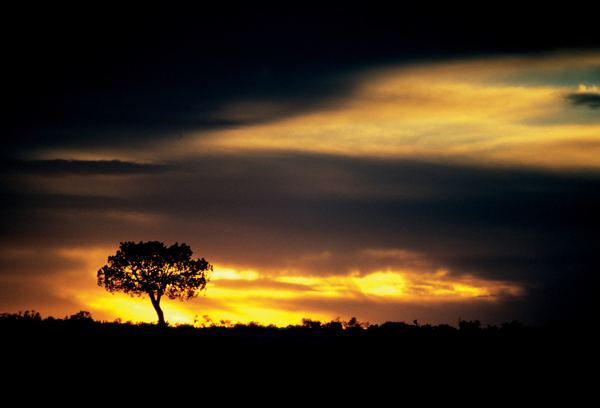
(245, 295)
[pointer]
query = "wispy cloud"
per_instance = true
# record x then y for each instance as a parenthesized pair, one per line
(80, 167)
(586, 95)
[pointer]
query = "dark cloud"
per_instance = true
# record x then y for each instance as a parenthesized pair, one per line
(80, 167)
(590, 99)
(330, 201)
(156, 73)
(128, 115)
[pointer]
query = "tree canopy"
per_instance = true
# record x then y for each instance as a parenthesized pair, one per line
(153, 269)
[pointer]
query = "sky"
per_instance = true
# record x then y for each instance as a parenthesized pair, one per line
(344, 160)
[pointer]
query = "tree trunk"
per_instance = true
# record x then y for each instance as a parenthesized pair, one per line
(159, 312)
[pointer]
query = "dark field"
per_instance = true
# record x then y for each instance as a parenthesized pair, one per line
(351, 358)
(469, 345)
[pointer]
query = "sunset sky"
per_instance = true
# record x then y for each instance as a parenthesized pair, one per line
(345, 160)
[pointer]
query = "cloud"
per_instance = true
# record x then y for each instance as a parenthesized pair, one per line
(327, 217)
(465, 110)
(585, 95)
(279, 212)
(80, 167)
(256, 285)
(590, 99)
(156, 75)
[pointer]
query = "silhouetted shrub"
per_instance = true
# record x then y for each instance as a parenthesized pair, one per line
(469, 326)
(311, 324)
(82, 315)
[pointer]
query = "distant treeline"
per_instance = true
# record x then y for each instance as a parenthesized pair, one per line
(83, 318)
(308, 328)
(406, 353)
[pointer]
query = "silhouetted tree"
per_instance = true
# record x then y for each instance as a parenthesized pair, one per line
(469, 326)
(353, 323)
(81, 315)
(514, 326)
(153, 269)
(334, 325)
(311, 324)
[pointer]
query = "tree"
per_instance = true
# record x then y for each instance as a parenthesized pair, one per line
(153, 269)
(82, 315)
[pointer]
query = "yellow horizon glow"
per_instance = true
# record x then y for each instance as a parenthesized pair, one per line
(270, 298)
(267, 305)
